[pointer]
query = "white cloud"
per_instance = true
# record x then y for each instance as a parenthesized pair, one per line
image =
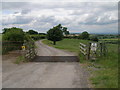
(77, 16)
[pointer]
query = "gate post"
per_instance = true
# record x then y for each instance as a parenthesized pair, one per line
(88, 51)
(101, 49)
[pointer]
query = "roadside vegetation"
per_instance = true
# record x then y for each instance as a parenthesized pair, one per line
(104, 70)
(13, 38)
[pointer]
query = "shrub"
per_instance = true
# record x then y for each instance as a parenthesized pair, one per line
(13, 39)
(94, 38)
(14, 34)
(38, 37)
(31, 32)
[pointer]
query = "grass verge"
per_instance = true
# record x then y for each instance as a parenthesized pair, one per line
(20, 59)
(104, 71)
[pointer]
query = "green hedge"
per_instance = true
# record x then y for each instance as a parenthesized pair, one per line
(72, 37)
(38, 37)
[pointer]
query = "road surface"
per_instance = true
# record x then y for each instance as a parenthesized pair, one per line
(44, 74)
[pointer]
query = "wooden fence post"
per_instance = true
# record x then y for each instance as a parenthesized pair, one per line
(104, 49)
(101, 49)
(88, 51)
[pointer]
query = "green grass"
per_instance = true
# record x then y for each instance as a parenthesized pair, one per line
(0, 37)
(67, 44)
(110, 39)
(0, 43)
(20, 59)
(106, 75)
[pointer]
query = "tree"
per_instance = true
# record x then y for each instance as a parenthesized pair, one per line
(85, 35)
(55, 34)
(5, 30)
(65, 31)
(32, 32)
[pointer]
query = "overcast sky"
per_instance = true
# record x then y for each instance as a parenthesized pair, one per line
(94, 17)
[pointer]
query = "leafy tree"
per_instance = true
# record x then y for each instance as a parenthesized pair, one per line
(31, 32)
(65, 31)
(5, 30)
(85, 35)
(55, 34)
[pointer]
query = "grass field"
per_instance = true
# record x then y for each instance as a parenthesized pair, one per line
(0, 44)
(0, 37)
(105, 74)
(110, 39)
(67, 44)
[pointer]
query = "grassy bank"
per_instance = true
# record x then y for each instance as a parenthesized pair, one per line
(104, 70)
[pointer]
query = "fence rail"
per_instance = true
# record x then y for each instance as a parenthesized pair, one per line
(83, 48)
(92, 50)
(29, 52)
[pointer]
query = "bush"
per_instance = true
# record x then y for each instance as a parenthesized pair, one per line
(38, 37)
(31, 32)
(72, 37)
(94, 38)
(13, 39)
(14, 34)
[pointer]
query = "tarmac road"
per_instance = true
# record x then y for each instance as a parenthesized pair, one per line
(44, 74)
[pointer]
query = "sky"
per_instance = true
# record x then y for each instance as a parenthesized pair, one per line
(93, 17)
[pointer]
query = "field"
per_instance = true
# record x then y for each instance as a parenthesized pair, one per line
(110, 39)
(67, 44)
(0, 44)
(0, 37)
(104, 70)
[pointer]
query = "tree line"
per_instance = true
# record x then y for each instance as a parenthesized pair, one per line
(57, 33)
(54, 34)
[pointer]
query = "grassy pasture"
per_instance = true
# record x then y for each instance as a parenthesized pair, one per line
(0, 43)
(0, 37)
(106, 73)
(110, 39)
(67, 44)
